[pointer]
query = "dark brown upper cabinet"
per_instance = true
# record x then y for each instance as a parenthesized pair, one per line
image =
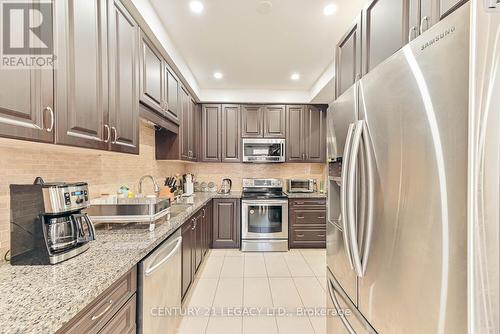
(263, 121)
(26, 102)
(252, 121)
(171, 94)
(306, 133)
(231, 130)
(152, 76)
(423, 14)
(82, 74)
(211, 129)
(124, 86)
(295, 133)
(385, 30)
(348, 59)
(188, 127)
(275, 121)
(315, 133)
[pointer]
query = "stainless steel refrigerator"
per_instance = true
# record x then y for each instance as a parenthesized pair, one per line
(397, 207)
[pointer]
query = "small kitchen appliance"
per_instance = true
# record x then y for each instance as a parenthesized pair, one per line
(226, 185)
(48, 224)
(264, 216)
(262, 150)
(301, 185)
(188, 185)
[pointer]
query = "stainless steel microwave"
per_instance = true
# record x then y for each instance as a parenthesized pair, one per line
(261, 150)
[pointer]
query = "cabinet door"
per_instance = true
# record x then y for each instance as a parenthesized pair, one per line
(123, 322)
(123, 79)
(211, 133)
(348, 58)
(251, 121)
(151, 76)
(171, 94)
(226, 223)
(82, 73)
(193, 125)
(199, 240)
(185, 130)
(295, 137)
(316, 136)
(274, 121)
(186, 254)
(26, 101)
(210, 225)
(413, 19)
(231, 148)
(385, 30)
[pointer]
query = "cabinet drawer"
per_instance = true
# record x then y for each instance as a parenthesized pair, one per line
(302, 202)
(308, 217)
(309, 235)
(123, 321)
(99, 312)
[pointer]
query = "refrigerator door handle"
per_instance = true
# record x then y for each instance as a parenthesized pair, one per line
(351, 198)
(343, 193)
(370, 189)
(338, 310)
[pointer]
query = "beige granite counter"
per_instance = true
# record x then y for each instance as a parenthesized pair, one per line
(41, 299)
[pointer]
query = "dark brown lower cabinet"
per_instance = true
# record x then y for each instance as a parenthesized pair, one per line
(112, 312)
(198, 233)
(307, 218)
(226, 223)
(187, 255)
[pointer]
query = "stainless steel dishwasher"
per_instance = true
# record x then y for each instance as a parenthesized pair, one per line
(160, 288)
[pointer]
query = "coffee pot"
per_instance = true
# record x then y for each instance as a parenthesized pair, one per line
(226, 185)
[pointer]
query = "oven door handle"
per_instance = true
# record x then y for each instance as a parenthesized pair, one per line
(265, 202)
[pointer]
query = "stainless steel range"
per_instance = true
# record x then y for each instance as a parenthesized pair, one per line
(264, 220)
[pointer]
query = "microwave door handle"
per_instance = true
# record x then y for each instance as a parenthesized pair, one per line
(343, 194)
(351, 195)
(370, 188)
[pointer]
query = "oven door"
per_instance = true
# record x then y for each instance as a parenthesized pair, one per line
(264, 219)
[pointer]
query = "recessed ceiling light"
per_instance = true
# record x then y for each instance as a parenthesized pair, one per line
(330, 9)
(196, 7)
(295, 77)
(218, 75)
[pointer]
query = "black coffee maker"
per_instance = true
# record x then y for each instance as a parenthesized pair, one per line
(48, 224)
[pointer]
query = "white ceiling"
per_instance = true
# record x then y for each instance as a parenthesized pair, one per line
(257, 52)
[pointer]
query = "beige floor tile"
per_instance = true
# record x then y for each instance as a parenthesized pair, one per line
(224, 325)
(276, 265)
(260, 325)
(294, 325)
(212, 267)
(318, 324)
(232, 267)
(193, 325)
(297, 265)
(255, 266)
(234, 253)
(310, 292)
(257, 292)
(322, 282)
(253, 254)
(217, 252)
(229, 293)
(284, 293)
(316, 259)
(202, 292)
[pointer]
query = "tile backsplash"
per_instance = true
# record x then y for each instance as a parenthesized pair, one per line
(21, 162)
(237, 171)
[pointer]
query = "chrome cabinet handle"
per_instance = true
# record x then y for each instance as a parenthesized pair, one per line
(52, 119)
(203, 212)
(424, 19)
(110, 303)
(343, 193)
(300, 217)
(108, 132)
(115, 136)
(321, 235)
(412, 29)
(300, 235)
(321, 217)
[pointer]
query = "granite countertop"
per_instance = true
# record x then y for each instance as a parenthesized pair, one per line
(41, 299)
(306, 195)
